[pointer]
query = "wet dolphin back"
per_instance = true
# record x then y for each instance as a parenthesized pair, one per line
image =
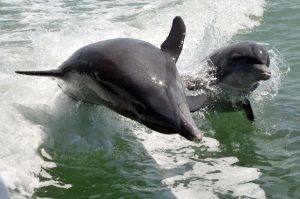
(132, 65)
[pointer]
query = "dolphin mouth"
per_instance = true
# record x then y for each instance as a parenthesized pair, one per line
(195, 137)
(189, 132)
(263, 71)
(265, 75)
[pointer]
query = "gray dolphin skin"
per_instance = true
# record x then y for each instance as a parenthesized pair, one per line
(4, 194)
(238, 69)
(133, 78)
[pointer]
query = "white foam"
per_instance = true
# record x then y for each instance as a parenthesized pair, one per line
(207, 177)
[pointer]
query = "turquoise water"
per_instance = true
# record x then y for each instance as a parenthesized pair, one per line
(53, 147)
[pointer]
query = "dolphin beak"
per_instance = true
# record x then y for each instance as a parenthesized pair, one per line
(266, 75)
(187, 127)
(263, 70)
(171, 115)
(190, 133)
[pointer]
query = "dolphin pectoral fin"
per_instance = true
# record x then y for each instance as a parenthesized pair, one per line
(248, 110)
(196, 102)
(48, 73)
(174, 42)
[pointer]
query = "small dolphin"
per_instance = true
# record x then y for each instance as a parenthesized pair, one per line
(237, 70)
(133, 78)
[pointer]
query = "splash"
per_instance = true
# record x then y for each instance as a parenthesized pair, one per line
(279, 68)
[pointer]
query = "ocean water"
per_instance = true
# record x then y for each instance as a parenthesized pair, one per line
(53, 147)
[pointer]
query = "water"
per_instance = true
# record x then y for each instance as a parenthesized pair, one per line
(53, 147)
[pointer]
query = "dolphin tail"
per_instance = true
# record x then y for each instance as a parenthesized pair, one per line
(47, 73)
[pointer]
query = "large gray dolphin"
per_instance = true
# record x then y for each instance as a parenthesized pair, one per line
(133, 78)
(237, 70)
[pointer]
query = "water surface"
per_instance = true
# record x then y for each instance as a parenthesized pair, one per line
(53, 147)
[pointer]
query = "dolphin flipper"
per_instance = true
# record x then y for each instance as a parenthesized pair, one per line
(196, 102)
(174, 42)
(248, 110)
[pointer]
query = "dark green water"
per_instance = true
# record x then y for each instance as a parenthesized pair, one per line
(56, 148)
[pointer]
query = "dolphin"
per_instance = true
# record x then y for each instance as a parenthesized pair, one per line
(133, 78)
(237, 70)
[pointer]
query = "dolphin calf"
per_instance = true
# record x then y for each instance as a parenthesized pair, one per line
(237, 70)
(133, 78)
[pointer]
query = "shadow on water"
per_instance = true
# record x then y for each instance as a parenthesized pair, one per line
(95, 153)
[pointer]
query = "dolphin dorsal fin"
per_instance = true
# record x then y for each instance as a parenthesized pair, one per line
(174, 42)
